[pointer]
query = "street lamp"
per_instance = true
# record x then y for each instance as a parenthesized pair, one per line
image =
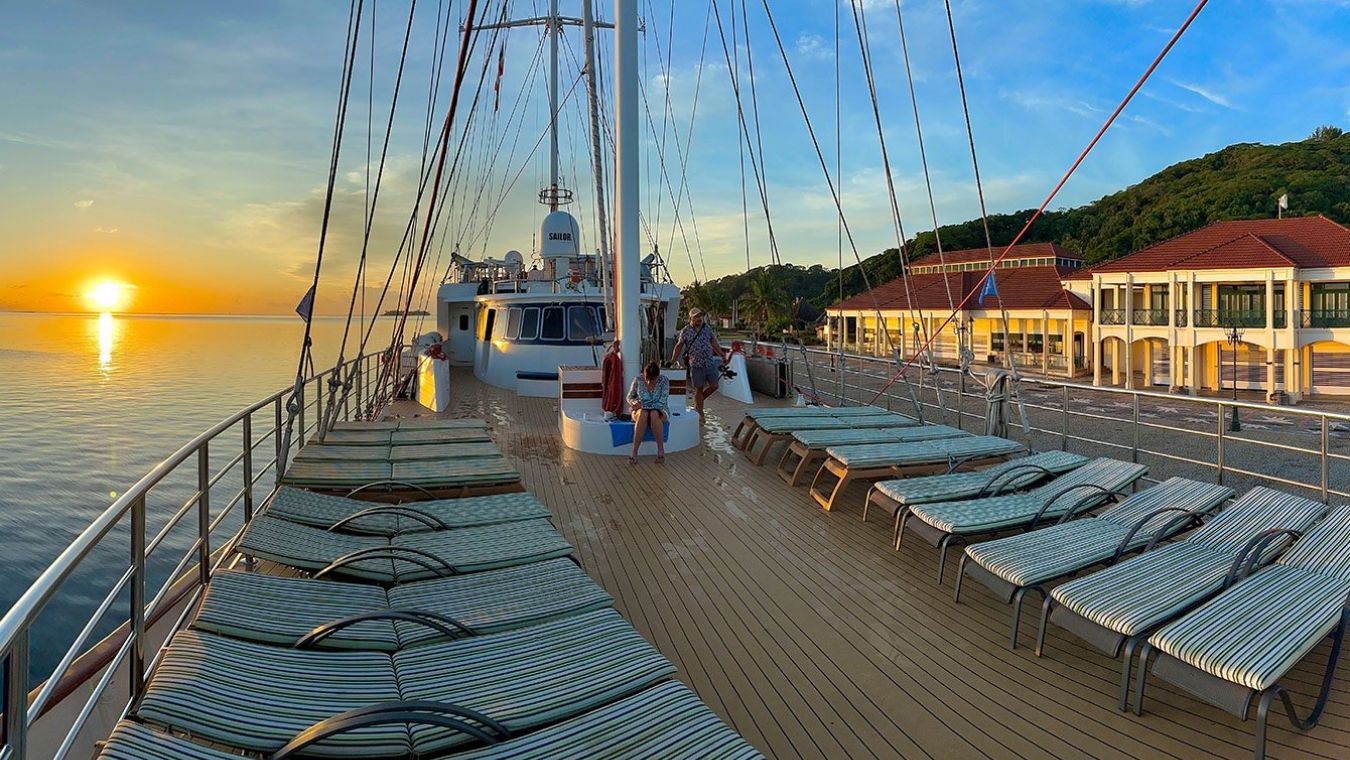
(1234, 334)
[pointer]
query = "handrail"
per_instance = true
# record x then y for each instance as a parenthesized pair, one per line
(16, 624)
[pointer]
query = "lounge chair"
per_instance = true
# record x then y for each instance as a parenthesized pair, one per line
(897, 494)
(355, 516)
(807, 448)
(1237, 648)
(1015, 565)
(889, 460)
(404, 557)
(771, 432)
(745, 431)
(402, 437)
(667, 721)
(262, 698)
(1116, 609)
(404, 452)
(406, 480)
(945, 523)
(272, 609)
(414, 423)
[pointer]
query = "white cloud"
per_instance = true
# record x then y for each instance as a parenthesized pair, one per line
(1036, 101)
(1217, 98)
(813, 46)
(83, 204)
(107, 230)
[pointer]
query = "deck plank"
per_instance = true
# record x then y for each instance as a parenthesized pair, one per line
(805, 632)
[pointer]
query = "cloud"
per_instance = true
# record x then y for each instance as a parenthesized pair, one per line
(813, 46)
(107, 230)
(83, 204)
(1217, 98)
(1035, 101)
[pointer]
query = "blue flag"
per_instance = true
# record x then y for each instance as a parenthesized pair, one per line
(306, 306)
(990, 288)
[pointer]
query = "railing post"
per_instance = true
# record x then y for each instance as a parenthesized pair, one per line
(360, 383)
(248, 467)
(1064, 429)
(137, 666)
(300, 398)
(1325, 462)
(960, 400)
(204, 512)
(1134, 452)
(277, 465)
(1218, 465)
(16, 696)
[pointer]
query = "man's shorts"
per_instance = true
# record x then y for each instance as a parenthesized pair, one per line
(701, 376)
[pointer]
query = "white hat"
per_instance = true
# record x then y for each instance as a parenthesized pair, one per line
(695, 312)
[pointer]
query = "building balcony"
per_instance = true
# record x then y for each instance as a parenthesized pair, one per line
(1181, 317)
(1151, 317)
(1232, 318)
(1110, 316)
(1326, 318)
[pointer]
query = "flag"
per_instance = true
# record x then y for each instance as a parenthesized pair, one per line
(306, 306)
(1284, 202)
(990, 288)
(497, 86)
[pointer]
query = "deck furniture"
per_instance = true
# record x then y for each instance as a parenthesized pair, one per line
(346, 515)
(271, 609)
(806, 448)
(897, 494)
(1236, 649)
(407, 480)
(403, 452)
(402, 437)
(667, 720)
(263, 698)
(404, 557)
(1116, 609)
(946, 523)
(413, 423)
(1015, 565)
(878, 461)
(745, 431)
(775, 430)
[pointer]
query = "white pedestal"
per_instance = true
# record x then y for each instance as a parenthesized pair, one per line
(583, 426)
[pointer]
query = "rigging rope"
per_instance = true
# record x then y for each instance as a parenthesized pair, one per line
(1069, 173)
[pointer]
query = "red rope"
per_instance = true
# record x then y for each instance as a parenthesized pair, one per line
(1081, 157)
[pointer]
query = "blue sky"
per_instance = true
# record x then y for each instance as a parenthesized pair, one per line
(183, 147)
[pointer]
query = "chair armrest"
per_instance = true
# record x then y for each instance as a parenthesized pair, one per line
(1158, 535)
(444, 624)
(988, 488)
(1098, 492)
(1247, 559)
(394, 509)
(424, 712)
(416, 556)
(403, 483)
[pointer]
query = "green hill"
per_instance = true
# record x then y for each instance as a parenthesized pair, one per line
(1239, 182)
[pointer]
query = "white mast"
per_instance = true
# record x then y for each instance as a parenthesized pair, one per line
(597, 163)
(553, 29)
(628, 300)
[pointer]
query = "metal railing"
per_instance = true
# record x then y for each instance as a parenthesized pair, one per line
(1230, 318)
(184, 582)
(1326, 318)
(1153, 317)
(1107, 421)
(1181, 316)
(1110, 316)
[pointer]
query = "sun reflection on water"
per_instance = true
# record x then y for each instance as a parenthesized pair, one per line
(107, 336)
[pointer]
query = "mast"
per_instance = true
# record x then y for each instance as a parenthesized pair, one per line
(597, 162)
(627, 264)
(553, 29)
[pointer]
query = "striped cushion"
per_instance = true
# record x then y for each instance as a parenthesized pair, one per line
(133, 741)
(345, 437)
(258, 697)
(995, 512)
(322, 511)
(1038, 556)
(311, 548)
(322, 473)
(963, 485)
(432, 423)
(1256, 631)
(500, 600)
(276, 610)
(925, 452)
(530, 677)
(1325, 550)
(1259, 509)
(823, 439)
(789, 424)
(666, 721)
(441, 450)
(404, 436)
(486, 547)
(444, 473)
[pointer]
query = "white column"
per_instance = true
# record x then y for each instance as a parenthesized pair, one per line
(626, 128)
(1045, 342)
(1129, 331)
(1270, 333)
(1095, 332)
(553, 29)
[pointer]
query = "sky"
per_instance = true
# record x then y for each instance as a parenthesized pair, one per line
(182, 149)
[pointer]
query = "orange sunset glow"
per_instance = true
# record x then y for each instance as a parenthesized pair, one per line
(108, 295)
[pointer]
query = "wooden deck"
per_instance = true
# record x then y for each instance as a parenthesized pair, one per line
(812, 638)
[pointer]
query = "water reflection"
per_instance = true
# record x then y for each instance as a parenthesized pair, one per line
(107, 336)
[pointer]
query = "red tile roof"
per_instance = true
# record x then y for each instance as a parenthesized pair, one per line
(1020, 288)
(1026, 251)
(1301, 242)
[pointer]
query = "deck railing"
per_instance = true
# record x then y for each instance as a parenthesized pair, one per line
(1233, 318)
(1111, 316)
(1107, 421)
(125, 520)
(1154, 317)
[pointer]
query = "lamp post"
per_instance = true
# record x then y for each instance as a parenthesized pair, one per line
(1234, 334)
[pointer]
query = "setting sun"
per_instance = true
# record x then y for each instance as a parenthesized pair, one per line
(107, 295)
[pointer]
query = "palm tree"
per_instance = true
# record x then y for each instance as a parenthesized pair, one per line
(763, 301)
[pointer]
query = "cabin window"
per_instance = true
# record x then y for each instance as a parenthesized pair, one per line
(463, 322)
(600, 317)
(581, 324)
(513, 323)
(555, 326)
(529, 323)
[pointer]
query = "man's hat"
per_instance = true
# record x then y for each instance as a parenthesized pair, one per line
(695, 312)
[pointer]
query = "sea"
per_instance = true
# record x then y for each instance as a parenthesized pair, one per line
(91, 402)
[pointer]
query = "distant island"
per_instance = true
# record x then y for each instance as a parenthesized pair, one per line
(396, 313)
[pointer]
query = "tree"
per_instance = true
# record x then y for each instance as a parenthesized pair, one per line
(1326, 132)
(765, 300)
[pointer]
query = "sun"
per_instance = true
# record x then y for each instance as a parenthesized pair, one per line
(107, 295)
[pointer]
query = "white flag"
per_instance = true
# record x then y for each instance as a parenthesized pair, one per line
(306, 306)
(1284, 201)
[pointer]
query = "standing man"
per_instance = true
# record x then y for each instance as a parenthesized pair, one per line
(703, 357)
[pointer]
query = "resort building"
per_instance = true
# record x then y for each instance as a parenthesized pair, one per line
(1263, 303)
(1048, 325)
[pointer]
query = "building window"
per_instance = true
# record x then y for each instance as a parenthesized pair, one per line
(996, 341)
(1015, 342)
(1035, 343)
(1057, 345)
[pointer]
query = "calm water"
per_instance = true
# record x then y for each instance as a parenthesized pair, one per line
(89, 404)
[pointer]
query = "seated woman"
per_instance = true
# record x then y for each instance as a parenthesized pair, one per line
(649, 399)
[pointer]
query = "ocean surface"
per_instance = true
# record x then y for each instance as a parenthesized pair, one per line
(89, 403)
